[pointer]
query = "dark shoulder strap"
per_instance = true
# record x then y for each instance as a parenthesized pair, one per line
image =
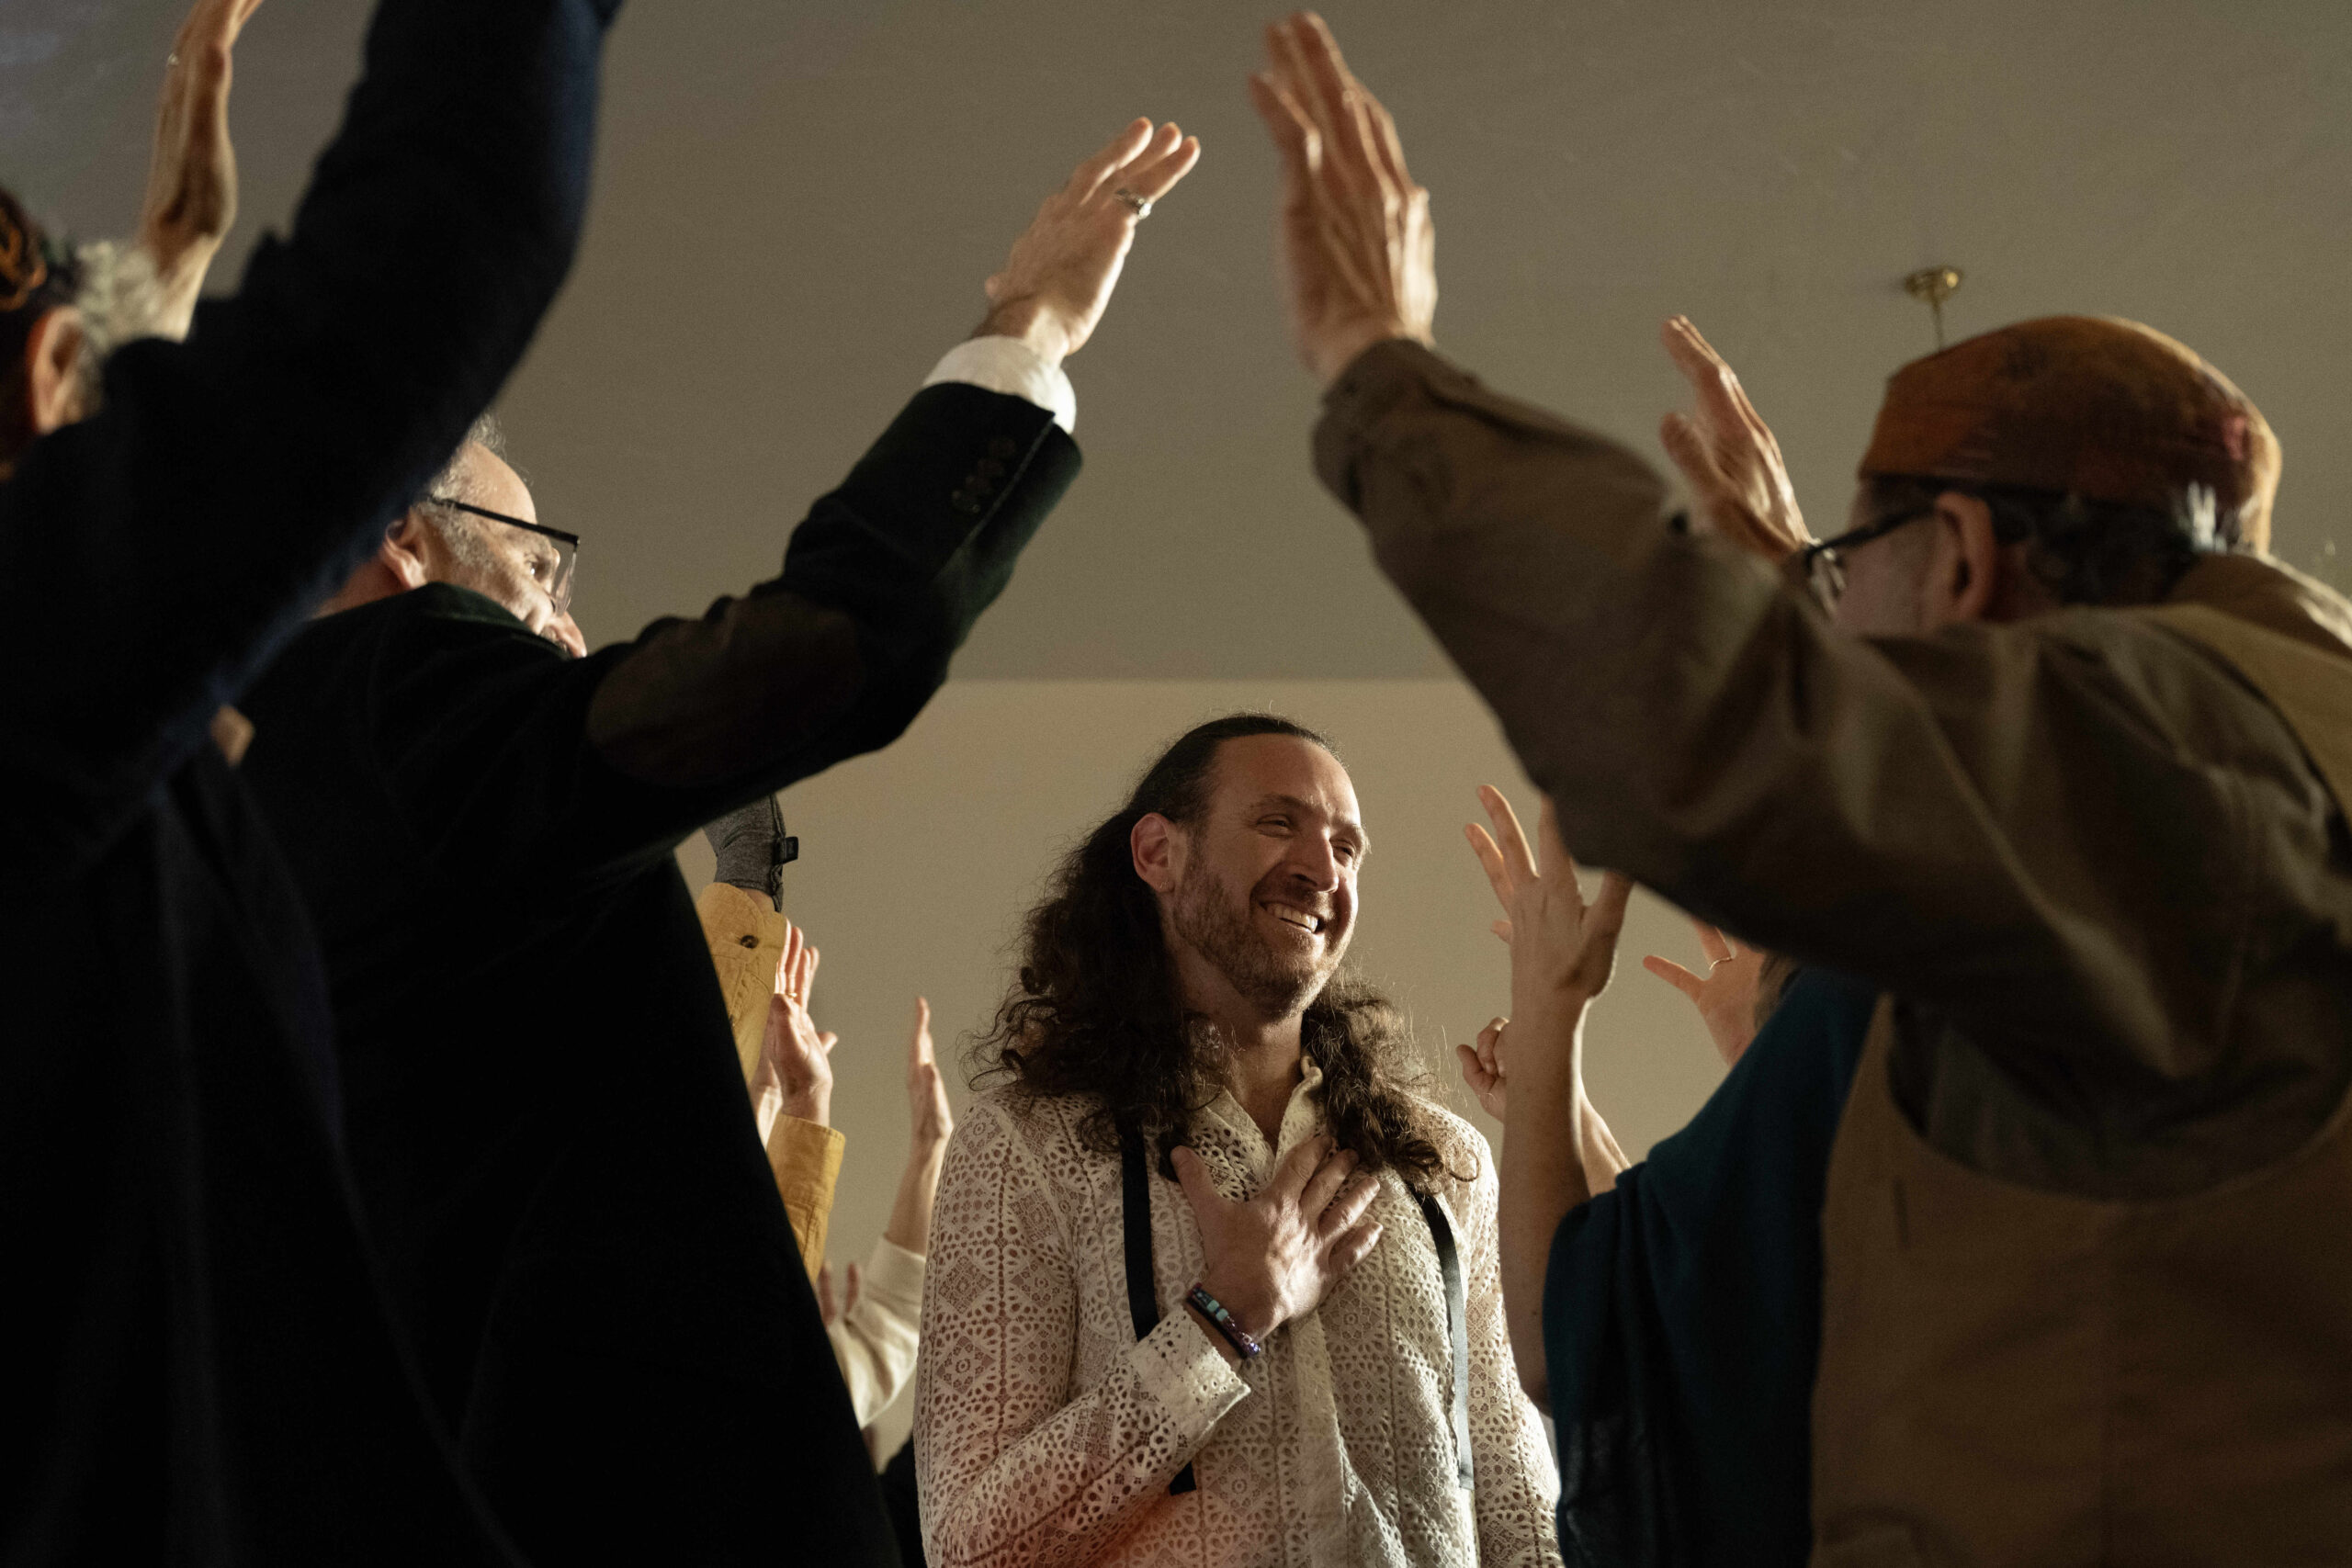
(1457, 1329)
(1142, 1294)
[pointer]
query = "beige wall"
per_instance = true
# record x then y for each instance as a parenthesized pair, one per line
(917, 863)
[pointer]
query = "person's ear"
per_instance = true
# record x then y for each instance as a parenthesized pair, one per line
(406, 551)
(1154, 842)
(1964, 571)
(52, 364)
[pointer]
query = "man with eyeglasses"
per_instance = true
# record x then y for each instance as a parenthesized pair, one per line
(475, 527)
(2061, 776)
(548, 1114)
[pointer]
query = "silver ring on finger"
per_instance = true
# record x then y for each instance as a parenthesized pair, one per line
(1139, 204)
(171, 60)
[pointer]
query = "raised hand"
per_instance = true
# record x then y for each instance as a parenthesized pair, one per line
(795, 1053)
(1056, 283)
(1359, 253)
(1277, 1255)
(1726, 993)
(927, 1109)
(1728, 455)
(931, 1122)
(1561, 947)
(1482, 1068)
(1560, 1153)
(192, 179)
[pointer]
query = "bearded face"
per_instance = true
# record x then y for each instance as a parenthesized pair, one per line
(1258, 890)
(1276, 945)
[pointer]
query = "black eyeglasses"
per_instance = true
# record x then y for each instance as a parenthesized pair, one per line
(1824, 567)
(556, 578)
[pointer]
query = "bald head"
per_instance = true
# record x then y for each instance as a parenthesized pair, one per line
(437, 542)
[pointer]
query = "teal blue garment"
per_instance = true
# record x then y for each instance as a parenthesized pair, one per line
(1682, 1312)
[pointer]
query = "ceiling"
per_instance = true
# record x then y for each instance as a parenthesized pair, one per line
(796, 202)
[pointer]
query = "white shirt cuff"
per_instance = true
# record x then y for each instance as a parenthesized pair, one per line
(1009, 365)
(1190, 1378)
(893, 1275)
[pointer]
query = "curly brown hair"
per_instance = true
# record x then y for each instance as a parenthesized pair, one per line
(1095, 1008)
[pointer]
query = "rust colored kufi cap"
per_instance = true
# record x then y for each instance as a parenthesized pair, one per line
(2104, 408)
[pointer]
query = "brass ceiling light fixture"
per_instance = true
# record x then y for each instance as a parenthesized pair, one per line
(1933, 286)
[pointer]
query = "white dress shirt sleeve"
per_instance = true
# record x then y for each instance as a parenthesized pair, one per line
(874, 1341)
(1009, 365)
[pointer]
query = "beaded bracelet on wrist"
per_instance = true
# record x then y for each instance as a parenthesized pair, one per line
(1214, 1310)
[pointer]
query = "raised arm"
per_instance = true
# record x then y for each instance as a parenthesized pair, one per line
(930, 1123)
(1704, 727)
(1485, 1066)
(876, 1338)
(881, 582)
(192, 179)
(1562, 951)
(887, 575)
(154, 556)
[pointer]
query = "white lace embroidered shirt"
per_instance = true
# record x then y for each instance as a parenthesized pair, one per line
(1045, 1433)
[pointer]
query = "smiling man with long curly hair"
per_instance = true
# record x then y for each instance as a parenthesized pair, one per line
(1298, 1356)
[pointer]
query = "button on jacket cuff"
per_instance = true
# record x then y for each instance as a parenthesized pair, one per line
(746, 933)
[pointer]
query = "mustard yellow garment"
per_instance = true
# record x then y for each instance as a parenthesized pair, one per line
(746, 936)
(807, 1159)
